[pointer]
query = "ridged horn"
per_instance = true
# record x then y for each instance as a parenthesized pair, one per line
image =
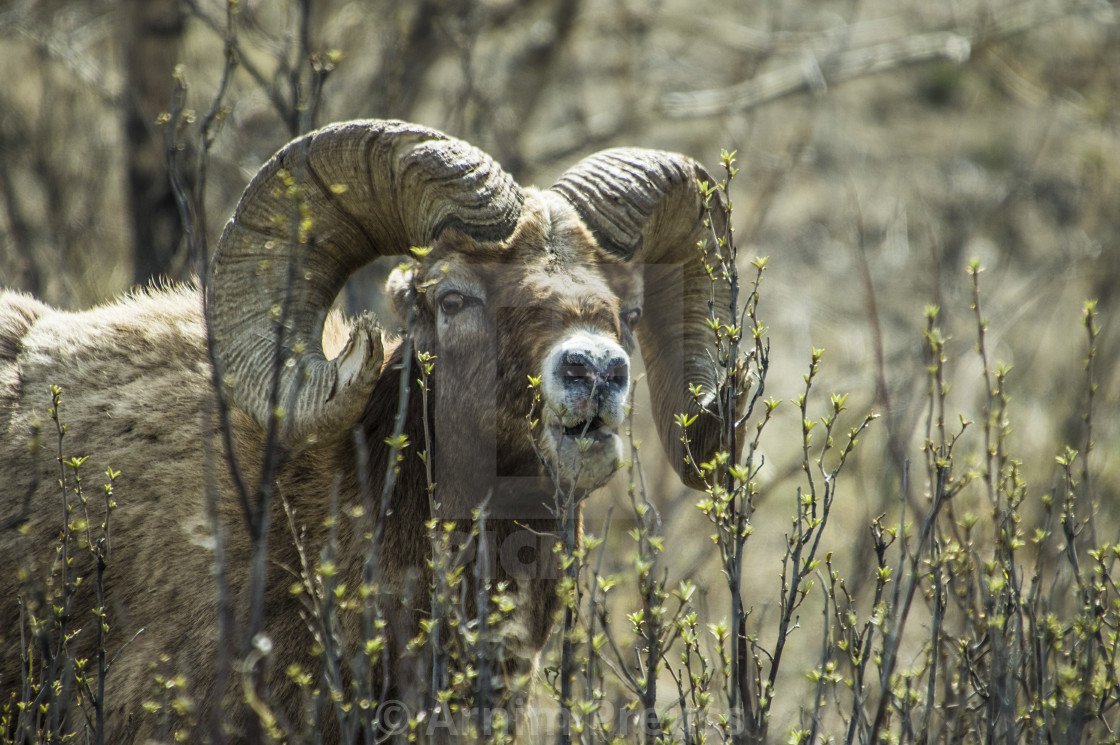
(347, 194)
(645, 206)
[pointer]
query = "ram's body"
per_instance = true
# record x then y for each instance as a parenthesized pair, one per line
(540, 286)
(136, 396)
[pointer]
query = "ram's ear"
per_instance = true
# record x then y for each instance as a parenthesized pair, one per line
(399, 288)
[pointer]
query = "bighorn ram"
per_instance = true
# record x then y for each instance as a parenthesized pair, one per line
(556, 284)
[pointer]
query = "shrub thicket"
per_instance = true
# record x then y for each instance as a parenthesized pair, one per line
(991, 613)
(978, 600)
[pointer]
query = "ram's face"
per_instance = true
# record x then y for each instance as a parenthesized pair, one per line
(544, 315)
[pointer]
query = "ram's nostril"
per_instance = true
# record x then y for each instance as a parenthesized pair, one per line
(618, 372)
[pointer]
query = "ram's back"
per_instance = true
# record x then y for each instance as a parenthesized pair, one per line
(132, 376)
(136, 397)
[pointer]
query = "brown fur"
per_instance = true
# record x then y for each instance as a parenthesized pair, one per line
(137, 397)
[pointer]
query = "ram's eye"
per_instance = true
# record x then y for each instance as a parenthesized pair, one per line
(631, 317)
(452, 302)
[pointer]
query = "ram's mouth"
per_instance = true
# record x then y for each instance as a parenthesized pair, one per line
(595, 429)
(584, 452)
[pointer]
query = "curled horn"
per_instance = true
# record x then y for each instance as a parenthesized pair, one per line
(322, 207)
(645, 206)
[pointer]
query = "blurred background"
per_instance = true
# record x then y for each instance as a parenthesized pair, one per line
(882, 144)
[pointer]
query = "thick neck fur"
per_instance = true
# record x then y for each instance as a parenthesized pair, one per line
(519, 527)
(518, 530)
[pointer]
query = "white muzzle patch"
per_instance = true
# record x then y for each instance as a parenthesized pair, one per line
(585, 386)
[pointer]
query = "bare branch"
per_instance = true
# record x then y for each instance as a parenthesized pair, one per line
(815, 73)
